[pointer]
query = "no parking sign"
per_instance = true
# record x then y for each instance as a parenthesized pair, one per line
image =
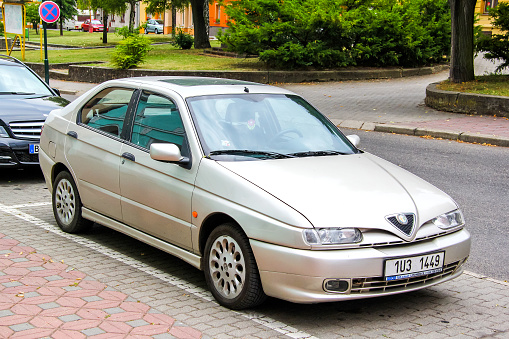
(49, 11)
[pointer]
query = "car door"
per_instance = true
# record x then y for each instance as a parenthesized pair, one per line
(156, 195)
(93, 149)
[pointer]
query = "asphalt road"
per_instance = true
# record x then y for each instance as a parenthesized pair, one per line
(477, 177)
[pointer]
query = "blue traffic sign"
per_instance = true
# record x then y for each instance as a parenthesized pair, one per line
(49, 11)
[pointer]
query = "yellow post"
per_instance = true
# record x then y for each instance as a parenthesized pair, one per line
(22, 44)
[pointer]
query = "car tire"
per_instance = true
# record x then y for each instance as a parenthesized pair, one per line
(83, 29)
(156, 31)
(146, 31)
(67, 205)
(230, 268)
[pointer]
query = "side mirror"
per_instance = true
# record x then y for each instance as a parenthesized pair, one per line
(167, 153)
(354, 139)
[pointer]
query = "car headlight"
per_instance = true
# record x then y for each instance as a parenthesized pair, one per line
(3, 132)
(332, 236)
(449, 220)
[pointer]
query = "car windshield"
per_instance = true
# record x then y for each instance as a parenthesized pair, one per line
(158, 22)
(16, 80)
(96, 22)
(264, 126)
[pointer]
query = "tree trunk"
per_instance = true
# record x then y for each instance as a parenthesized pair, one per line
(201, 38)
(462, 40)
(206, 17)
(173, 20)
(132, 14)
(61, 19)
(105, 29)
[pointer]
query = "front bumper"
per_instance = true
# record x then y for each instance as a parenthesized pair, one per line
(15, 153)
(298, 275)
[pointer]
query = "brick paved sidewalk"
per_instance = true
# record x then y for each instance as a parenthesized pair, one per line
(487, 125)
(40, 298)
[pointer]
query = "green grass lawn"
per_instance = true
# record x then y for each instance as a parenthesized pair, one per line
(84, 39)
(162, 56)
(487, 84)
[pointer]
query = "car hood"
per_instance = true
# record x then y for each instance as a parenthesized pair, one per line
(358, 190)
(14, 108)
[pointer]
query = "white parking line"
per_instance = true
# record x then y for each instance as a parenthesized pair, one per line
(157, 273)
(34, 204)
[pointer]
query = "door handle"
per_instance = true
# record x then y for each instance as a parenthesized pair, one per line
(129, 156)
(72, 134)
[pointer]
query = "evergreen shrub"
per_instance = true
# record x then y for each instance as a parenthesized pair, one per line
(292, 34)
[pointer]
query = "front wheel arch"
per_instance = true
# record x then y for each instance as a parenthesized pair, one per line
(208, 225)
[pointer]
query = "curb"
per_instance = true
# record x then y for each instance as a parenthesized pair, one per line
(469, 103)
(482, 139)
(100, 74)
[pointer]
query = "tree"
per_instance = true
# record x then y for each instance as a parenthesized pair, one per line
(200, 17)
(497, 46)
(132, 13)
(108, 7)
(201, 36)
(67, 11)
(462, 40)
(32, 15)
(159, 6)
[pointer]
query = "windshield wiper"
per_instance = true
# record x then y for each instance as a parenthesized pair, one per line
(317, 153)
(17, 93)
(247, 152)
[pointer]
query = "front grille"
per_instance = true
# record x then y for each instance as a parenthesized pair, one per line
(401, 242)
(26, 157)
(405, 228)
(27, 129)
(378, 285)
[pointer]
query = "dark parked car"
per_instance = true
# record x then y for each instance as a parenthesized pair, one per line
(25, 102)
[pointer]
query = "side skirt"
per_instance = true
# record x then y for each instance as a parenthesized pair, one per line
(188, 257)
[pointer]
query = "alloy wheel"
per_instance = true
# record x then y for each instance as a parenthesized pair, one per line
(65, 201)
(227, 267)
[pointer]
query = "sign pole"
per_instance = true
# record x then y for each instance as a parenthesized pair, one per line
(46, 63)
(49, 13)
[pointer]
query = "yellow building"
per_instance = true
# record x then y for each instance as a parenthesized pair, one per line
(184, 18)
(481, 9)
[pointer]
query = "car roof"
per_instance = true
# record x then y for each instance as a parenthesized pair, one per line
(197, 86)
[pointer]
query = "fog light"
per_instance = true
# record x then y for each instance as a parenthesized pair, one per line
(336, 285)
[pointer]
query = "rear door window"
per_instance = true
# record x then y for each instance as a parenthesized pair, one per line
(107, 110)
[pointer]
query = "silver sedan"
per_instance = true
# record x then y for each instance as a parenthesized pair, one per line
(251, 184)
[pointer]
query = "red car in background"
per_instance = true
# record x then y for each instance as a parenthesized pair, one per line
(97, 25)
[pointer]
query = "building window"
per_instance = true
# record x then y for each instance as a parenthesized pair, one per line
(489, 4)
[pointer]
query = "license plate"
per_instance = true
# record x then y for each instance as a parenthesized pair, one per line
(409, 267)
(33, 148)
